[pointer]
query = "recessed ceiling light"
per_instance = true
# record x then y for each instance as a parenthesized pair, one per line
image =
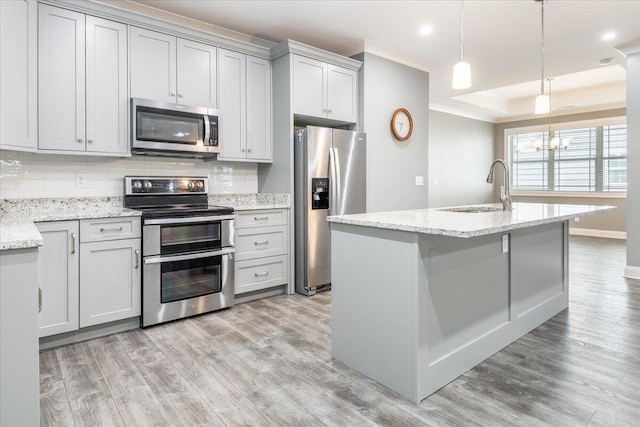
(425, 30)
(609, 36)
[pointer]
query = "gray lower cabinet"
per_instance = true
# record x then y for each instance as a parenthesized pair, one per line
(90, 273)
(110, 284)
(262, 249)
(59, 277)
(110, 279)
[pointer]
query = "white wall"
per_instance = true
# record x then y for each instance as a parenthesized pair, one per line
(392, 165)
(460, 155)
(633, 160)
(30, 175)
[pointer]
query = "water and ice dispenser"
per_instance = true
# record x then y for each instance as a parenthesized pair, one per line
(319, 193)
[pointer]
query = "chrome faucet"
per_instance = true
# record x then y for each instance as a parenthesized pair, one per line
(505, 192)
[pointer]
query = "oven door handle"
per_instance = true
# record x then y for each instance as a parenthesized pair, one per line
(160, 259)
(162, 221)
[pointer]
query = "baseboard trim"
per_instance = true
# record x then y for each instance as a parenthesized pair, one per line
(631, 272)
(598, 233)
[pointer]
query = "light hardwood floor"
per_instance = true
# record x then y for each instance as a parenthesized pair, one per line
(268, 362)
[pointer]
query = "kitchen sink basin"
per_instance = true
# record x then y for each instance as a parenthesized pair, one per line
(472, 209)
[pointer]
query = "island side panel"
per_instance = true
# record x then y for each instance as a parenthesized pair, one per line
(19, 359)
(374, 304)
(539, 274)
(466, 311)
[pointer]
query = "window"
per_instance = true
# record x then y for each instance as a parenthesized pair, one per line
(595, 159)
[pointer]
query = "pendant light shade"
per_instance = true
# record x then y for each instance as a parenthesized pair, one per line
(542, 100)
(542, 104)
(462, 70)
(462, 75)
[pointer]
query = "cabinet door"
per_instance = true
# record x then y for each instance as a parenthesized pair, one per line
(258, 109)
(153, 65)
(233, 104)
(59, 268)
(61, 79)
(106, 86)
(196, 74)
(342, 98)
(18, 74)
(309, 87)
(110, 281)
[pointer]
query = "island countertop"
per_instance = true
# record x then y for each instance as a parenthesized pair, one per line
(462, 224)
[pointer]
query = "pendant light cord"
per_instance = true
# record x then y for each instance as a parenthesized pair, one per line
(462, 32)
(542, 49)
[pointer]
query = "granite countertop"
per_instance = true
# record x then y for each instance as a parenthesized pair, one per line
(247, 202)
(465, 225)
(17, 216)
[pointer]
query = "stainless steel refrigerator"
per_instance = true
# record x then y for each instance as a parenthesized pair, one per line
(330, 179)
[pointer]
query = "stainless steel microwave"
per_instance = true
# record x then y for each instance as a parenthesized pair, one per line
(166, 129)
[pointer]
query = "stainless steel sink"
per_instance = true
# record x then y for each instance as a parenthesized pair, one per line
(472, 209)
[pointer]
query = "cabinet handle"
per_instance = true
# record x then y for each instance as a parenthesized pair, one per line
(80, 140)
(137, 253)
(179, 95)
(172, 94)
(329, 111)
(264, 242)
(39, 300)
(249, 150)
(73, 243)
(102, 230)
(90, 141)
(260, 218)
(265, 273)
(243, 150)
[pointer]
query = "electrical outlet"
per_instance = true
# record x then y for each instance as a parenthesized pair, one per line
(81, 180)
(577, 219)
(505, 243)
(419, 180)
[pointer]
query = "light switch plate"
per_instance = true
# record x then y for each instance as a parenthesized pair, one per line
(419, 180)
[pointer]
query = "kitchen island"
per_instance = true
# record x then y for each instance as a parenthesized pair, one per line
(419, 297)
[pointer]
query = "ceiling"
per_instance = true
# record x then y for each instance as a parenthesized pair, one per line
(501, 42)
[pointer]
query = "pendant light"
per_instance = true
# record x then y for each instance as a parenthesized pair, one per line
(542, 100)
(462, 70)
(554, 142)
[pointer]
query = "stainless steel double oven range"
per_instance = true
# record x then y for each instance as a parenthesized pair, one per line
(187, 247)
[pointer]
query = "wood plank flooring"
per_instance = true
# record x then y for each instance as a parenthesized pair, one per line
(268, 362)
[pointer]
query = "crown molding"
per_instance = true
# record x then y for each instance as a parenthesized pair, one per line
(629, 48)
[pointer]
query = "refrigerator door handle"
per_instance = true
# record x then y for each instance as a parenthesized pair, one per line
(338, 192)
(332, 181)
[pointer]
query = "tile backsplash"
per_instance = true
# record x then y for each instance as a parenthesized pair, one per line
(31, 175)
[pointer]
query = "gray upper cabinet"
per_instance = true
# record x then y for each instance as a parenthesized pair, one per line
(196, 74)
(244, 88)
(18, 75)
(169, 69)
(259, 143)
(324, 90)
(82, 83)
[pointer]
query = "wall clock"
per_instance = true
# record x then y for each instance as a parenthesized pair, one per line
(402, 124)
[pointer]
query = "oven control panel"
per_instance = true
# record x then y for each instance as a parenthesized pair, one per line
(162, 185)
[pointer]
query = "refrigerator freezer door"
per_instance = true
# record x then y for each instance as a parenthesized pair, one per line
(313, 251)
(350, 152)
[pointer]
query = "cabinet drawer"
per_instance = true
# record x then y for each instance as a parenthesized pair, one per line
(260, 242)
(260, 218)
(101, 229)
(256, 274)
